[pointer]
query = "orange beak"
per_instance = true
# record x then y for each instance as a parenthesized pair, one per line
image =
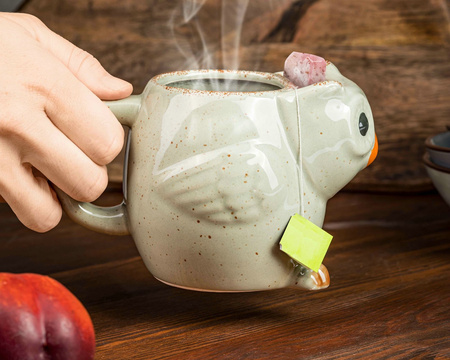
(374, 152)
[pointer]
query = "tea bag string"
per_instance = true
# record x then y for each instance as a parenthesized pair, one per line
(300, 158)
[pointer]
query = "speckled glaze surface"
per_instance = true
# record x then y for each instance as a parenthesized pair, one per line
(214, 177)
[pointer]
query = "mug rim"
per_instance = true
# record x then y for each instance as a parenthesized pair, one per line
(427, 161)
(429, 143)
(276, 79)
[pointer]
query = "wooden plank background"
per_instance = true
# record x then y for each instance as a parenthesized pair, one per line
(398, 52)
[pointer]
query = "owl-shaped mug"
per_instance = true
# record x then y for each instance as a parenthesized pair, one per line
(216, 164)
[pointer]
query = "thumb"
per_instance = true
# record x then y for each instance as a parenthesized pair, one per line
(82, 64)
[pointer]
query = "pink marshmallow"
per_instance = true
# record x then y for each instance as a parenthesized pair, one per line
(304, 69)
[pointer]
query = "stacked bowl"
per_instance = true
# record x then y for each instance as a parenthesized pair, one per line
(437, 162)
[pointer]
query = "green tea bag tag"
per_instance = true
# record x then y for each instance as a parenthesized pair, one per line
(305, 242)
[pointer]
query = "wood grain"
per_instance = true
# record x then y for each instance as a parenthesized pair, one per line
(388, 299)
(397, 51)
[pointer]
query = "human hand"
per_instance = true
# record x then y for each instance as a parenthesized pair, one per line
(53, 125)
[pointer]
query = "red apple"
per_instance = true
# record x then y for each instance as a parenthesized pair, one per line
(41, 319)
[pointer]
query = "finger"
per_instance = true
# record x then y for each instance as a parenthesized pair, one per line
(32, 199)
(82, 64)
(83, 118)
(62, 162)
(73, 108)
(87, 68)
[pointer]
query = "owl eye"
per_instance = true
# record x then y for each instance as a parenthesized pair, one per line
(363, 124)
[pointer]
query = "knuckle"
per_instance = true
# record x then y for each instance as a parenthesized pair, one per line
(50, 90)
(20, 134)
(33, 23)
(7, 126)
(13, 123)
(25, 17)
(79, 59)
(46, 222)
(33, 19)
(92, 187)
(111, 148)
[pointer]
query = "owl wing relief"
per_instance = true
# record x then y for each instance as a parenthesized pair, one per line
(219, 167)
(239, 185)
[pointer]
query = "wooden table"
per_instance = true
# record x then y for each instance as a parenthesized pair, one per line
(389, 296)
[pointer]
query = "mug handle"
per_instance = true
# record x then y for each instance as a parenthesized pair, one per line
(113, 219)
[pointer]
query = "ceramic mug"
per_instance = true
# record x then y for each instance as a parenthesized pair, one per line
(216, 164)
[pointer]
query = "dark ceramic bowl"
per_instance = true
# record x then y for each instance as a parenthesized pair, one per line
(440, 176)
(438, 146)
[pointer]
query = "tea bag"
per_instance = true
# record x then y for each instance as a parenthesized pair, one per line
(304, 69)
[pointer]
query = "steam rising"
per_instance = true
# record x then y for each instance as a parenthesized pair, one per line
(208, 48)
(233, 13)
(191, 8)
(208, 34)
